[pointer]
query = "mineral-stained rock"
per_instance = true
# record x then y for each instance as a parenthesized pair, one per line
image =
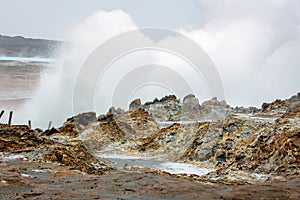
(280, 107)
(166, 109)
(17, 138)
(240, 143)
(243, 110)
(190, 99)
(190, 110)
(250, 141)
(22, 140)
(77, 157)
(76, 124)
(119, 127)
(175, 142)
(135, 104)
(52, 131)
(169, 108)
(101, 133)
(214, 109)
(293, 113)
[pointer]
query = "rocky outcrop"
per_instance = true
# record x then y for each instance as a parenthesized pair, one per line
(39, 147)
(169, 143)
(280, 107)
(191, 109)
(248, 142)
(170, 108)
(75, 155)
(135, 104)
(243, 110)
(74, 125)
(19, 138)
(214, 109)
(293, 113)
(166, 109)
(119, 127)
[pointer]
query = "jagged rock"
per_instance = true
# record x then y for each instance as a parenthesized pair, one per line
(293, 113)
(280, 107)
(171, 142)
(115, 112)
(190, 99)
(76, 156)
(38, 130)
(243, 110)
(135, 104)
(214, 109)
(52, 131)
(74, 125)
(166, 109)
(231, 142)
(17, 137)
(190, 109)
(20, 139)
(168, 98)
(118, 127)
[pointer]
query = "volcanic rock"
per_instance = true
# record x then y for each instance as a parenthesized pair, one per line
(166, 109)
(280, 107)
(242, 145)
(118, 127)
(135, 104)
(214, 109)
(74, 125)
(38, 148)
(190, 110)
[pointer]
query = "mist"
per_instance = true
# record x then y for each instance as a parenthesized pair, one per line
(53, 99)
(254, 45)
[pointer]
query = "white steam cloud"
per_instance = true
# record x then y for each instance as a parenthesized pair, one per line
(53, 100)
(255, 46)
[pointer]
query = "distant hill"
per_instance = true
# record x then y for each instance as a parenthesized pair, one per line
(27, 47)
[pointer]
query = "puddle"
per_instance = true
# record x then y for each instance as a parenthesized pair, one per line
(9, 156)
(36, 173)
(126, 161)
(183, 168)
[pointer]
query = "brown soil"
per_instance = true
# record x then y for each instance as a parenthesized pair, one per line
(22, 180)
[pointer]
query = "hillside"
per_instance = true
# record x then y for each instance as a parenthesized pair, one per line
(27, 47)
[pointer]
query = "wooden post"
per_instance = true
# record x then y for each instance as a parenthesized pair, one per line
(2, 112)
(50, 124)
(29, 124)
(10, 117)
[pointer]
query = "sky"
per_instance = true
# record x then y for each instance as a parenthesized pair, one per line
(254, 45)
(53, 19)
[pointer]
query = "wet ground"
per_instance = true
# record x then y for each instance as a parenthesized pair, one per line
(21, 179)
(123, 161)
(19, 78)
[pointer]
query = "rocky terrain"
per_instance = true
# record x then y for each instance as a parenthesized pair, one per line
(265, 142)
(242, 153)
